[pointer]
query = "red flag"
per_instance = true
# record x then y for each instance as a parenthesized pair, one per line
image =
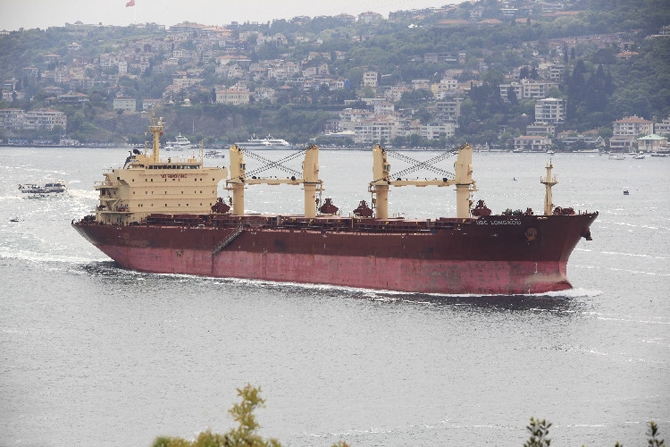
(130, 3)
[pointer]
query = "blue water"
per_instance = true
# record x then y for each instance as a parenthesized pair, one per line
(94, 355)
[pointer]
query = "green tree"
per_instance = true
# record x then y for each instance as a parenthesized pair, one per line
(539, 429)
(653, 433)
(244, 435)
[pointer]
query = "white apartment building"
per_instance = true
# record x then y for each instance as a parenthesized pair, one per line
(123, 103)
(662, 128)
(556, 73)
(384, 108)
(370, 79)
(184, 82)
(40, 119)
(234, 97)
(527, 89)
(435, 131)
(626, 130)
(350, 118)
(418, 84)
(445, 87)
(550, 111)
(541, 129)
(632, 126)
(11, 119)
(378, 130)
(528, 143)
(449, 110)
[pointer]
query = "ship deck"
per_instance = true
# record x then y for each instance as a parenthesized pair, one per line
(293, 222)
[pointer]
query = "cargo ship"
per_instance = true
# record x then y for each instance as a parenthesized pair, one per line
(164, 216)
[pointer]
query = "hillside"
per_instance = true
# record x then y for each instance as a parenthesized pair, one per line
(439, 76)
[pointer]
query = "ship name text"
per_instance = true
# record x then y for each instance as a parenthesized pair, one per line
(174, 176)
(499, 222)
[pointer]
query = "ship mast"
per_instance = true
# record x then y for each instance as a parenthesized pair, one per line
(463, 171)
(380, 187)
(237, 178)
(548, 182)
(156, 128)
(462, 179)
(310, 178)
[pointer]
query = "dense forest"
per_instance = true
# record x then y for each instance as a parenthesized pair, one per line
(599, 86)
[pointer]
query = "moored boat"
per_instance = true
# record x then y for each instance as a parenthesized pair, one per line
(165, 217)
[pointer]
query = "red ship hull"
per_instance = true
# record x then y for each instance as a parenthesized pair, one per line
(486, 255)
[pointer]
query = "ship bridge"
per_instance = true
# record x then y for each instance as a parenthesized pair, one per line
(147, 184)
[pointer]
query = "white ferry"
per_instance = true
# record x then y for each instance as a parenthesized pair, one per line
(255, 144)
(43, 189)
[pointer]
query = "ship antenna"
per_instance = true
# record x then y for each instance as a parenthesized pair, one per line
(548, 182)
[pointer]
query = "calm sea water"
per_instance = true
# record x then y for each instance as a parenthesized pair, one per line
(92, 355)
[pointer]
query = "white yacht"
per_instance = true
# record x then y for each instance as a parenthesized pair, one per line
(180, 142)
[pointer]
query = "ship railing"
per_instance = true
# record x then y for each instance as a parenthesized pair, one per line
(298, 223)
(176, 220)
(103, 183)
(357, 225)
